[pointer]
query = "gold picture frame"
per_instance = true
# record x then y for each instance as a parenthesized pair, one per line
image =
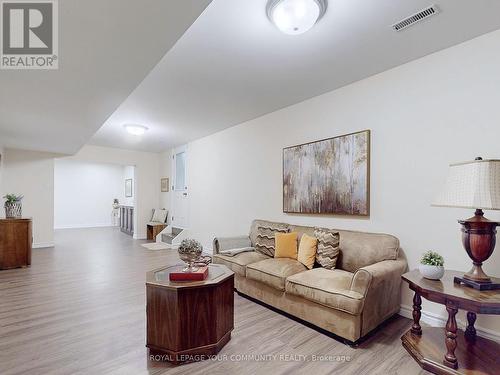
(330, 176)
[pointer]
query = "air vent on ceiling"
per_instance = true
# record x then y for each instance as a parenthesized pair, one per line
(417, 17)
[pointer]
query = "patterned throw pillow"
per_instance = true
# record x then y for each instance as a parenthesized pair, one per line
(159, 216)
(265, 243)
(328, 247)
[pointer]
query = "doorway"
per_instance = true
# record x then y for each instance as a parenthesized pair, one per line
(180, 196)
(90, 194)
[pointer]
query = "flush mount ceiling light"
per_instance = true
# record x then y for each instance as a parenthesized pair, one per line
(135, 129)
(295, 16)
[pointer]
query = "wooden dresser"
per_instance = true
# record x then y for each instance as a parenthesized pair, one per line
(15, 243)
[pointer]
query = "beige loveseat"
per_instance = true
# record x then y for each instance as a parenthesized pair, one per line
(348, 301)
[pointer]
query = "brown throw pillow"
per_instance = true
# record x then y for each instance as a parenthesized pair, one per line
(265, 243)
(328, 247)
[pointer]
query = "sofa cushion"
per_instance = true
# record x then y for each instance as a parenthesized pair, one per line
(307, 250)
(357, 249)
(286, 245)
(327, 287)
(328, 247)
(360, 249)
(159, 216)
(265, 242)
(261, 223)
(239, 262)
(274, 272)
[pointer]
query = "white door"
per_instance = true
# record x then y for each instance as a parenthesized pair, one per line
(180, 196)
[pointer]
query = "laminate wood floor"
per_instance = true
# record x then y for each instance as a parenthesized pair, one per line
(80, 309)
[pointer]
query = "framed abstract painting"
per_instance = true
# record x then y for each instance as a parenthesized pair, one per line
(330, 176)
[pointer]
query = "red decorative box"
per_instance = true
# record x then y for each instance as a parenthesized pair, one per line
(199, 275)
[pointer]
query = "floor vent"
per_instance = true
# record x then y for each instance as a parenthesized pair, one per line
(417, 17)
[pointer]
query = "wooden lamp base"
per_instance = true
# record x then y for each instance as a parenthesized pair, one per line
(493, 284)
(479, 239)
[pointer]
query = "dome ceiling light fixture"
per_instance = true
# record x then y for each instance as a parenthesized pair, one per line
(295, 17)
(135, 129)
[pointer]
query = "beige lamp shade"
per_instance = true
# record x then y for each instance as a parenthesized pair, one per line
(474, 184)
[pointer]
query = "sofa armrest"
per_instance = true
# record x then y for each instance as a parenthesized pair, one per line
(380, 283)
(229, 243)
(370, 277)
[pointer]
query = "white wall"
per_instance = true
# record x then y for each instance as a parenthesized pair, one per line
(128, 173)
(166, 171)
(31, 174)
(147, 179)
(2, 160)
(2, 152)
(423, 115)
(84, 192)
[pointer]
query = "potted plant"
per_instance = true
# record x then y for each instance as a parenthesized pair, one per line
(13, 206)
(431, 265)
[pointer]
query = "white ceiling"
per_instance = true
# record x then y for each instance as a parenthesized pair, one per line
(230, 66)
(233, 65)
(106, 48)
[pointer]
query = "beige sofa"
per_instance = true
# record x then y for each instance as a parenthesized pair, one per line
(349, 301)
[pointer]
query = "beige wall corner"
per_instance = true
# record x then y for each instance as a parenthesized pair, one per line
(31, 174)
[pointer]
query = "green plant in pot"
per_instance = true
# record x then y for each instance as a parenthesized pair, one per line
(13, 205)
(431, 265)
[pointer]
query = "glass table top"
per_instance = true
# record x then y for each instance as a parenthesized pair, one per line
(216, 273)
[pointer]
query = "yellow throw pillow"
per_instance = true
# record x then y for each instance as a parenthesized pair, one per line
(286, 245)
(307, 250)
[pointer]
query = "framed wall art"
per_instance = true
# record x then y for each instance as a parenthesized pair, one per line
(330, 176)
(164, 185)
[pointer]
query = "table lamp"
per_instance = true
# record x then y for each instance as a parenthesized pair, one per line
(476, 185)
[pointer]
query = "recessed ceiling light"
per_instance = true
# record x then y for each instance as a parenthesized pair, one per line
(135, 129)
(295, 16)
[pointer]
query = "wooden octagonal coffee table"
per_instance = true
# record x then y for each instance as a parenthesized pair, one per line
(189, 321)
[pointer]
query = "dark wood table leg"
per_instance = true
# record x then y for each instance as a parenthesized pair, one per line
(470, 331)
(417, 306)
(450, 359)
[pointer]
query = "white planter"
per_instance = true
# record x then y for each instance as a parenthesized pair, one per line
(13, 210)
(431, 272)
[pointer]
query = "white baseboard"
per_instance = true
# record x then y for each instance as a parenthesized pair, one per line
(102, 225)
(436, 320)
(140, 236)
(41, 245)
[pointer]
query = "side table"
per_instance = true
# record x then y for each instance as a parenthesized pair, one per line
(190, 320)
(465, 352)
(15, 243)
(153, 229)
